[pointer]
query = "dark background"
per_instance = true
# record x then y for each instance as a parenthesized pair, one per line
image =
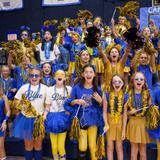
(33, 14)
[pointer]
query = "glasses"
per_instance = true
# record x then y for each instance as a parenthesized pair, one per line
(119, 82)
(34, 75)
(139, 79)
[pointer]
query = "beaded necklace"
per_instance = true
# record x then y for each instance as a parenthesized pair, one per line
(47, 49)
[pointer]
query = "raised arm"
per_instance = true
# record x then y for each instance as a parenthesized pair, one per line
(9, 61)
(113, 28)
(102, 54)
(152, 63)
(125, 55)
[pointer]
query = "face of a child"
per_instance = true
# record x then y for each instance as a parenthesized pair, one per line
(97, 22)
(5, 72)
(114, 55)
(138, 81)
(89, 24)
(60, 77)
(143, 59)
(117, 83)
(66, 23)
(24, 35)
(146, 32)
(82, 20)
(75, 38)
(63, 33)
(122, 20)
(34, 77)
(46, 69)
(85, 57)
(108, 32)
(88, 74)
(47, 36)
(25, 62)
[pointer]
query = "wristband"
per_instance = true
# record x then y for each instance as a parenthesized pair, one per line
(6, 118)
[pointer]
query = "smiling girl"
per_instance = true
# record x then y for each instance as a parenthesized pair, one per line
(82, 59)
(47, 77)
(113, 116)
(35, 92)
(87, 95)
(57, 119)
(113, 64)
(139, 99)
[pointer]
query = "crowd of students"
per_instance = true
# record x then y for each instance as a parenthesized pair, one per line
(57, 81)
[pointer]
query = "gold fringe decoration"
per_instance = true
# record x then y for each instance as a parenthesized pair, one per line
(38, 39)
(84, 14)
(100, 153)
(29, 44)
(39, 129)
(149, 47)
(135, 59)
(129, 9)
(78, 66)
(16, 49)
(116, 115)
(75, 128)
(29, 111)
(47, 23)
(73, 22)
(152, 117)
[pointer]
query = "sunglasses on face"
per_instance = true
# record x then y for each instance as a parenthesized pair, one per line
(139, 79)
(119, 82)
(34, 75)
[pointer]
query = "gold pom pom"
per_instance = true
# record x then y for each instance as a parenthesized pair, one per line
(75, 128)
(129, 9)
(39, 129)
(100, 153)
(152, 117)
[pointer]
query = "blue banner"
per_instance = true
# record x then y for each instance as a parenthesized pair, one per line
(149, 13)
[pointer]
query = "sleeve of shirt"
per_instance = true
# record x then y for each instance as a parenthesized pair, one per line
(107, 96)
(16, 69)
(19, 93)
(73, 92)
(125, 98)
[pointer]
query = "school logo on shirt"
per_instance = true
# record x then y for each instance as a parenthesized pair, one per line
(33, 95)
(58, 97)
